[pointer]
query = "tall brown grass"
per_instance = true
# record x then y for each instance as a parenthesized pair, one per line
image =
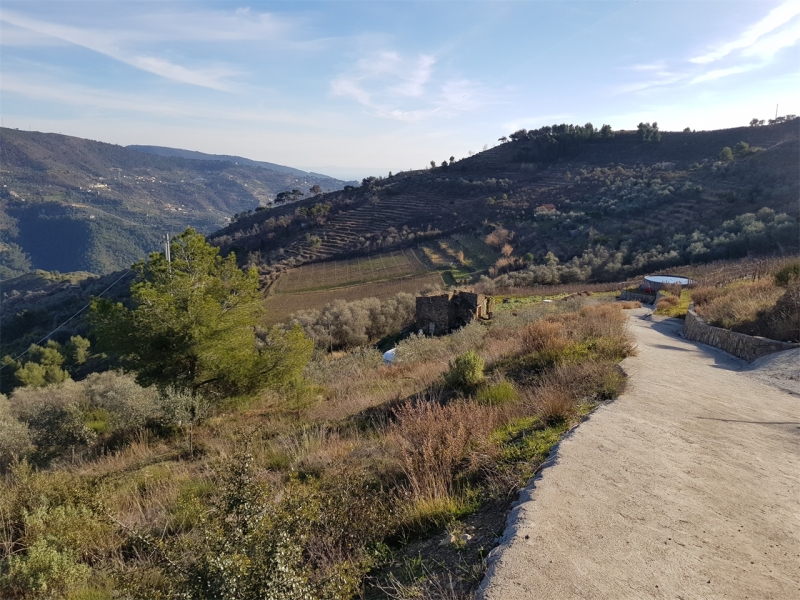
(433, 439)
(668, 301)
(544, 336)
(737, 305)
(629, 304)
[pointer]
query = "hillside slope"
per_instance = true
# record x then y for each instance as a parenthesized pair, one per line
(194, 155)
(72, 204)
(638, 205)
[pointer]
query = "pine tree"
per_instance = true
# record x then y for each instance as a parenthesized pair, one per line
(195, 324)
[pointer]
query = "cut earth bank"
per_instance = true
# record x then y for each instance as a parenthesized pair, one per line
(684, 487)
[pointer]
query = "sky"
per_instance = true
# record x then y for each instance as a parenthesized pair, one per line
(352, 89)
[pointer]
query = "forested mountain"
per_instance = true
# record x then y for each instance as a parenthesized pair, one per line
(608, 204)
(71, 204)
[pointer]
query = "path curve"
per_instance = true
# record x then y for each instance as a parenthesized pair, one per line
(686, 486)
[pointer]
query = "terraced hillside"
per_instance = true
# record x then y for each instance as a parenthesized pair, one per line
(653, 203)
(72, 204)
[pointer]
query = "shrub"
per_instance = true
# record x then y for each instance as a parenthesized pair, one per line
(602, 320)
(15, 439)
(787, 274)
(552, 401)
(589, 381)
(498, 238)
(43, 572)
(541, 336)
(783, 321)
(129, 406)
(343, 324)
(54, 417)
(465, 372)
(703, 295)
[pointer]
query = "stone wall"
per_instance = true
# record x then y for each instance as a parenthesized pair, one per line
(442, 313)
(643, 298)
(748, 347)
(433, 314)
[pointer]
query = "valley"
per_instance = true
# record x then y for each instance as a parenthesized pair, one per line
(70, 204)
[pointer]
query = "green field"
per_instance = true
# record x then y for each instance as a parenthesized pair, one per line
(344, 273)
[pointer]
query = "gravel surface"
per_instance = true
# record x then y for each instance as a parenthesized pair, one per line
(687, 486)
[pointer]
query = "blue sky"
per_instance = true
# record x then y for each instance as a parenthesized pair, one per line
(359, 88)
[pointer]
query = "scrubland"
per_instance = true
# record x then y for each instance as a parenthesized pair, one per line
(331, 488)
(768, 306)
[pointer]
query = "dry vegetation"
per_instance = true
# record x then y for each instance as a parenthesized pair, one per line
(769, 306)
(320, 491)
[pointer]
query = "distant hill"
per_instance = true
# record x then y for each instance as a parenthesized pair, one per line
(194, 155)
(71, 204)
(632, 205)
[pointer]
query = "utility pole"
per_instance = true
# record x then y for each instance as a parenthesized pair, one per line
(776, 111)
(166, 249)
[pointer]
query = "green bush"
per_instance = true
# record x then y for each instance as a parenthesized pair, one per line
(497, 394)
(726, 154)
(15, 439)
(466, 372)
(42, 572)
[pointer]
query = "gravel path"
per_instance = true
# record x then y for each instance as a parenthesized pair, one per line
(687, 486)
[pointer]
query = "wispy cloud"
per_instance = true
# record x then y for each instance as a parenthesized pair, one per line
(720, 73)
(386, 83)
(767, 47)
(146, 103)
(755, 48)
(115, 44)
(776, 18)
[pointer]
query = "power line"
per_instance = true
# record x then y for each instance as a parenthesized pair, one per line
(70, 319)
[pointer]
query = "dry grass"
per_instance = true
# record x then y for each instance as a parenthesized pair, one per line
(719, 273)
(433, 439)
(428, 456)
(629, 304)
(552, 401)
(755, 308)
(667, 302)
(544, 336)
(737, 306)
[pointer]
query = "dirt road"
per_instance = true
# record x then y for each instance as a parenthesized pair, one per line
(687, 486)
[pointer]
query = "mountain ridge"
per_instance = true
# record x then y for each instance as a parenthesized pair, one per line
(196, 155)
(72, 204)
(622, 193)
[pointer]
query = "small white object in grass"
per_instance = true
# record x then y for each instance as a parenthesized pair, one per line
(389, 356)
(546, 300)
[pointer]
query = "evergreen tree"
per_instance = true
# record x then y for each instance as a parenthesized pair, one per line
(194, 325)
